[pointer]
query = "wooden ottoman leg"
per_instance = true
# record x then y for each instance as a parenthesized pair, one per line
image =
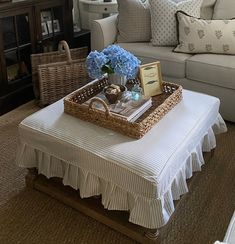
(31, 177)
(212, 152)
(152, 234)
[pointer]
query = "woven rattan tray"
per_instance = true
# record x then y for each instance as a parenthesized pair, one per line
(161, 105)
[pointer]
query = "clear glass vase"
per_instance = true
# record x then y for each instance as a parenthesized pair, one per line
(117, 79)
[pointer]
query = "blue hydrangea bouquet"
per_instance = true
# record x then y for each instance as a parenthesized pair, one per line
(112, 60)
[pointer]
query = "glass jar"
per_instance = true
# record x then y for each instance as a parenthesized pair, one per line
(136, 92)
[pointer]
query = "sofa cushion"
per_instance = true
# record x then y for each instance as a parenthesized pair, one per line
(163, 21)
(133, 21)
(205, 36)
(224, 9)
(207, 9)
(212, 69)
(172, 64)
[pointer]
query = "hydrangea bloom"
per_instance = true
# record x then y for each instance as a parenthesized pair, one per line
(94, 63)
(113, 59)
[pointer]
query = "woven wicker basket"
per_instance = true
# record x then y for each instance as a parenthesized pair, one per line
(53, 57)
(59, 79)
(161, 105)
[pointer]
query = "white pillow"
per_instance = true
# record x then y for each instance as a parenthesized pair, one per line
(207, 9)
(133, 21)
(224, 9)
(163, 21)
(205, 36)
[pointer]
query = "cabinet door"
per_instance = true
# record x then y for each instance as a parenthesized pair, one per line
(16, 46)
(52, 25)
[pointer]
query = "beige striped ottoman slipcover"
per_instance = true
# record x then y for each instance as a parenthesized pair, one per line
(141, 176)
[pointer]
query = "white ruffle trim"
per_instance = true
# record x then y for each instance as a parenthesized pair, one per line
(147, 212)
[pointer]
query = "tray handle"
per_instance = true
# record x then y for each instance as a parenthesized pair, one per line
(63, 45)
(99, 100)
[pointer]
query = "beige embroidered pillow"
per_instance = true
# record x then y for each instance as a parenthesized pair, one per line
(205, 36)
(133, 21)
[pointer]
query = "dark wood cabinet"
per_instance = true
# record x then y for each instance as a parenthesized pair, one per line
(81, 39)
(26, 27)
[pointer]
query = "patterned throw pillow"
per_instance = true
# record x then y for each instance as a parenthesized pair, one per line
(163, 21)
(133, 21)
(207, 9)
(205, 36)
(224, 9)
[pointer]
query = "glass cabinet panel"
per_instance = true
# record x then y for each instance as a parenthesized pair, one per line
(23, 29)
(9, 33)
(58, 19)
(17, 47)
(17, 63)
(12, 65)
(24, 60)
(16, 31)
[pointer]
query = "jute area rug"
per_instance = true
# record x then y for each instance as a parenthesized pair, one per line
(28, 216)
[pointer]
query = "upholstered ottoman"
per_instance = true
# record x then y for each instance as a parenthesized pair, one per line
(142, 176)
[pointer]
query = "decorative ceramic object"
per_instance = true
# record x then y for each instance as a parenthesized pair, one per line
(136, 92)
(114, 92)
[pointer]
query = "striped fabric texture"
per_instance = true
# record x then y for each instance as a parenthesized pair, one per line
(224, 9)
(100, 161)
(133, 21)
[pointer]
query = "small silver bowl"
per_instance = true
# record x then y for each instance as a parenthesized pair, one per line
(113, 97)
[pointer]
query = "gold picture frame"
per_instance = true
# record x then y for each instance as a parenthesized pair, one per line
(151, 79)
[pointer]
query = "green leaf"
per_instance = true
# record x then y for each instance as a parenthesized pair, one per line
(107, 69)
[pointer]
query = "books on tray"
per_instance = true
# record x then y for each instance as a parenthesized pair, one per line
(130, 110)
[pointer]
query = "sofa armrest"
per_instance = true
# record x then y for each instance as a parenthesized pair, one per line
(103, 32)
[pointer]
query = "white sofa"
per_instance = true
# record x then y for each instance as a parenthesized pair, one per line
(230, 233)
(208, 73)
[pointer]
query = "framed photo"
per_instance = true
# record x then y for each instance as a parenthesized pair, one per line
(151, 79)
(46, 16)
(44, 29)
(49, 26)
(56, 26)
